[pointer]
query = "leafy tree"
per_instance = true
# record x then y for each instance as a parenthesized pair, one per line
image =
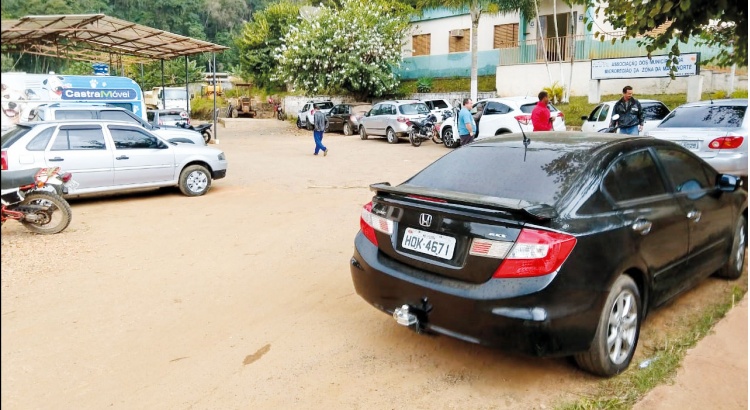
(720, 23)
(353, 48)
(260, 38)
(476, 9)
(174, 73)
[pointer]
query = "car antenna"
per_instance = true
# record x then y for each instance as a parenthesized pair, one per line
(526, 140)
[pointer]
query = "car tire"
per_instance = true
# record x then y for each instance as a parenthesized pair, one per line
(362, 132)
(206, 136)
(347, 129)
(299, 123)
(617, 333)
(733, 267)
(195, 180)
(235, 113)
(309, 126)
(448, 140)
(391, 136)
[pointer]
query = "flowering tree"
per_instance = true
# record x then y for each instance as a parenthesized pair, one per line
(352, 48)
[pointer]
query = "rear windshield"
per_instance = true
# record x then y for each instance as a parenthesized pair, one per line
(542, 175)
(324, 105)
(13, 135)
(439, 104)
(171, 117)
(705, 116)
(414, 108)
(528, 108)
(654, 111)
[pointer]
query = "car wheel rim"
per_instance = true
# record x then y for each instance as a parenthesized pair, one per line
(622, 327)
(197, 181)
(347, 130)
(390, 135)
(740, 252)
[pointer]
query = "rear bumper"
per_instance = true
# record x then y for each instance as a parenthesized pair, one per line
(729, 163)
(529, 315)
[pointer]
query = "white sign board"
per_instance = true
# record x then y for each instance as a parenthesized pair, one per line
(643, 67)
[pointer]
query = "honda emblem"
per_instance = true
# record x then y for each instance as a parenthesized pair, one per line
(425, 220)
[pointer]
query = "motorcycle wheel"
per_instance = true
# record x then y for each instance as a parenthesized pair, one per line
(416, 141)
(279, 116)
(55, 218)
(206, 136)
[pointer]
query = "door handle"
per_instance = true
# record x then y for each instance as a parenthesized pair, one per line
(642, 226)
(56, 159)
(694, 215)
(123, 157)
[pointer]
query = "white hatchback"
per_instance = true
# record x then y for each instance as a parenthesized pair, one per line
(601, 116)
(108, 156)
(495, 116)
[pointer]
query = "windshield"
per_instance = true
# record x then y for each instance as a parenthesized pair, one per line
(13, 134)
(415, 108)
(705, 116)
(542, 173)
(175, 94)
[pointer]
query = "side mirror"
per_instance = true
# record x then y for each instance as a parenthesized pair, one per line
(728, 183)
(584, 118)
(615, 117)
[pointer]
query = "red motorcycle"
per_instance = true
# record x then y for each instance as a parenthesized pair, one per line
(34, 198)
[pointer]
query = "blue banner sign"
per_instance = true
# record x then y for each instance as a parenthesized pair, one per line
(99, 94)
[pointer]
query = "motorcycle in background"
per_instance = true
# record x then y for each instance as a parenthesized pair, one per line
(422, 130)
(204, 129)
(613, 126)
(34, 198)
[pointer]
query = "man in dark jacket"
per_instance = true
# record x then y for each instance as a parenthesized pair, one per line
(321, 123)
(630, 112)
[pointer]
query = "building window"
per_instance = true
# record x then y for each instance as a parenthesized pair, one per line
(506, 36)
(458, 40)
(420, 45)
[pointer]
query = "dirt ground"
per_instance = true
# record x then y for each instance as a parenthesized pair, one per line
(243, 298)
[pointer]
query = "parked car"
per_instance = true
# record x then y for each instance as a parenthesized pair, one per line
(389, 119)
(555, 245)
(305, 115)
(496, 116)
(169, 117)
(345, 117)
(601, 116)
(438, 106)
(60, 111)
(108, 156)
(716, 131)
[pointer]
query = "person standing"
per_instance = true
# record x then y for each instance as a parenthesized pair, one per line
(467, 127)
(541, 118)
(630, 112)
(321, 124)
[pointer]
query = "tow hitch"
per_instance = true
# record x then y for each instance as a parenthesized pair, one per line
(413, 317)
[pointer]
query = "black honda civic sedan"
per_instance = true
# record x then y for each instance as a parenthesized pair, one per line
(555, 245)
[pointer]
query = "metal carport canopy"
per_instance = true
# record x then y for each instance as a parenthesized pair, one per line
(95, 37)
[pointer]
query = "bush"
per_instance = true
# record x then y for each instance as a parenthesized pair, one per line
(555, 92)
(202, 107)
(424, 85)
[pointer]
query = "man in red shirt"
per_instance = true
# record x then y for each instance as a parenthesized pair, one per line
(541, 117)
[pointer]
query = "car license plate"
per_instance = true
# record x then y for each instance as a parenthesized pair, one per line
(429, 243)
(691, 145)
(71, 185)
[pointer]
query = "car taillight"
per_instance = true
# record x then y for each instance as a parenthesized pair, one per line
(4, 160)
(560, 114)
(312, 112)
(66, 177)
(369, 223)
(402, 119)
(427, 198)
(409, 123)
(536, 253)
(730, 142)
(523, 119)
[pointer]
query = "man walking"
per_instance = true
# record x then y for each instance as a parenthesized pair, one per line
(467, 127)
(541, 117)
(630, 112)
(321, 123)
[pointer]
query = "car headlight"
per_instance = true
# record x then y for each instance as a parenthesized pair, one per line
(222, 157)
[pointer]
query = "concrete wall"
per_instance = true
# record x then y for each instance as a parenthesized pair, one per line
(529, 79)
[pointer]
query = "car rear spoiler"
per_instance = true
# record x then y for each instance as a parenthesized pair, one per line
(541, 212)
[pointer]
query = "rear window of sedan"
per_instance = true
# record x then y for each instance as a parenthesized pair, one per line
(415, 108)
(528, 108)
(542, 174)
(654, 111)
(323, 105)
(705, 116)
(13, 135)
